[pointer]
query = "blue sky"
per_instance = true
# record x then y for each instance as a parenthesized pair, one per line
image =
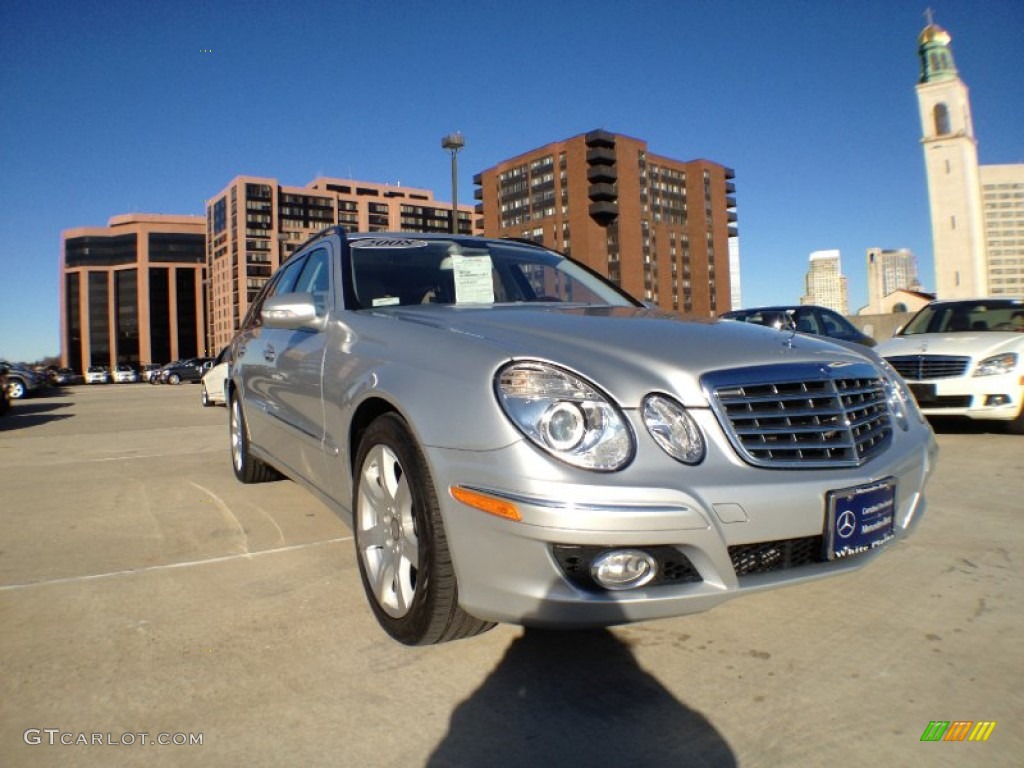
(117, 107)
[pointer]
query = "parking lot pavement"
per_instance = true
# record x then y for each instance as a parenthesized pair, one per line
(146, 597)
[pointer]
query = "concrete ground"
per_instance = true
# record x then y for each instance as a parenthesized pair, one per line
(147, 597)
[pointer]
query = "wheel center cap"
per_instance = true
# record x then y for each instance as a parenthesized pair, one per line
(396, 530)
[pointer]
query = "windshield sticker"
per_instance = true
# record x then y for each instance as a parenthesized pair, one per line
(473, 282)
(386, 301)
(388, 242)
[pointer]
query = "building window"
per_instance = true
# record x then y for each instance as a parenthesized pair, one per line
(941, 116)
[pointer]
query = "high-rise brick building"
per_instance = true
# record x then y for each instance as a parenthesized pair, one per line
(254, 224)
(658, 227)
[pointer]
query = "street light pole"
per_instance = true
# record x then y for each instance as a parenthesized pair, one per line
(453, 142)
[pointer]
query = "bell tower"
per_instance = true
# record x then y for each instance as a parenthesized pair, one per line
(951, 163)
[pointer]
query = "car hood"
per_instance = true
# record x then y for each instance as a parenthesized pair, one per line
(627, 351)
(976, 345)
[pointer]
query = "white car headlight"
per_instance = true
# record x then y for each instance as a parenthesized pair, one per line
(674, 429)
(997, 364)
(565, 415)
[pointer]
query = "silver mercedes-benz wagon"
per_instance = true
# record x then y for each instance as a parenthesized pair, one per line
(514, 439)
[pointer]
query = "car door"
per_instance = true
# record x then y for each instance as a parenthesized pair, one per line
(298, 369)
(256, 363)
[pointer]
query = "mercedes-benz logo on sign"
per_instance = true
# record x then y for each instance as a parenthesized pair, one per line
(846, 525)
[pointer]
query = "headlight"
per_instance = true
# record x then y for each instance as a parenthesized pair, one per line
(992, 366)
(674, 429)
(565, 415)
(901, 402)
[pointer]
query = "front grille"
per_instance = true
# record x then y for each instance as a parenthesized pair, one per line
(806, 415)
(769, 556)
(924, 367)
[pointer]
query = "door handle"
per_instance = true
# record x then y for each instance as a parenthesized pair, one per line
(269, 354)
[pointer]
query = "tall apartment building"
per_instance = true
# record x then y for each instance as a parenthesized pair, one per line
(1002, 196)
(132, 292)
(824, 283)
(658, 227)
(254, 224)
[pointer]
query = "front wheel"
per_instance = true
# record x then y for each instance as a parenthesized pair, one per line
(401, 545)
(1016, 427)
(248, 469)
(174, 379)
(206, 398)
(16, 389)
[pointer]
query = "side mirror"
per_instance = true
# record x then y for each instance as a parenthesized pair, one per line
(291, 312)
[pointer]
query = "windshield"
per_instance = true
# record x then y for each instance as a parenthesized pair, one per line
(393, 271)
(998, 315)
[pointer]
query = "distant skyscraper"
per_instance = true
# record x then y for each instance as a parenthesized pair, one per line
(824, 283)
(977, 211)
(890, 271)
(1002, 194)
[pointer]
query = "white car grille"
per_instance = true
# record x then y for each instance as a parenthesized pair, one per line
(923, 367)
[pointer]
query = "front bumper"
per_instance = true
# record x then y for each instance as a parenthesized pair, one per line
(997, 398)
(507, 571)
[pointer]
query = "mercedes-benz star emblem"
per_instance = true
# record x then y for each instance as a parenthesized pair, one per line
(846, 525)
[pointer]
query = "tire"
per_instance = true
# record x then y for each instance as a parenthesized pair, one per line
(174, 379)
(206, 398)
(247, 468)
(16, 389)
(401, 546)
(1016, 427)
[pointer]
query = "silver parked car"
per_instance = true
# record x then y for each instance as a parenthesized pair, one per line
(513, 439)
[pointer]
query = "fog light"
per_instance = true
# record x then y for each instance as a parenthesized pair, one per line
(996, 400)
(623, 569)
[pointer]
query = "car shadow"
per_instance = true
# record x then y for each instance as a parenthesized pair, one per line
(31, 413)
(576, 698)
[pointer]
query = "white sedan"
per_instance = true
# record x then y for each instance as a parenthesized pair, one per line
(964, 358)
(97, 374)
(214, 379)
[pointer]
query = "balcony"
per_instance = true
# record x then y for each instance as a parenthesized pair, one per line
(730, 188)
(599, 173)
(478, 194)
(601, 155)
(478, 179)
(602, 192)
(730, 202)
(600, 139)
(479, 208)
(731, 216)
(734, 232)
(730, 173)
(604, 211)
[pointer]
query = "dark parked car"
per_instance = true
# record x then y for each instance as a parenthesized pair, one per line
(806, 318)
(191, 369)
(5, 399)
(22, 381)
(65, 376)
